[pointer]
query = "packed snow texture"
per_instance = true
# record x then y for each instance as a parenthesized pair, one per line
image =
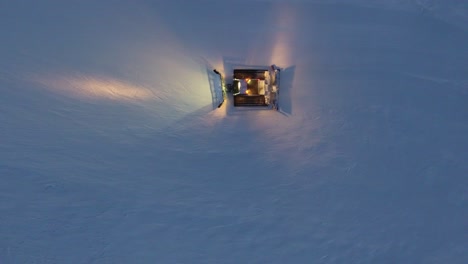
(112, 149)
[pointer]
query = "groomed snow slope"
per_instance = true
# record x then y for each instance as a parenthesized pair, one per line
(111, 150)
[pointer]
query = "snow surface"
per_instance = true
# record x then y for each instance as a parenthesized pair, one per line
(112, 150)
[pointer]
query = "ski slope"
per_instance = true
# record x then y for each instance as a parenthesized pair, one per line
(112, 150)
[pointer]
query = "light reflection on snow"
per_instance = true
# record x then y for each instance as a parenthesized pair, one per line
(282, 53)
(96, 87)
